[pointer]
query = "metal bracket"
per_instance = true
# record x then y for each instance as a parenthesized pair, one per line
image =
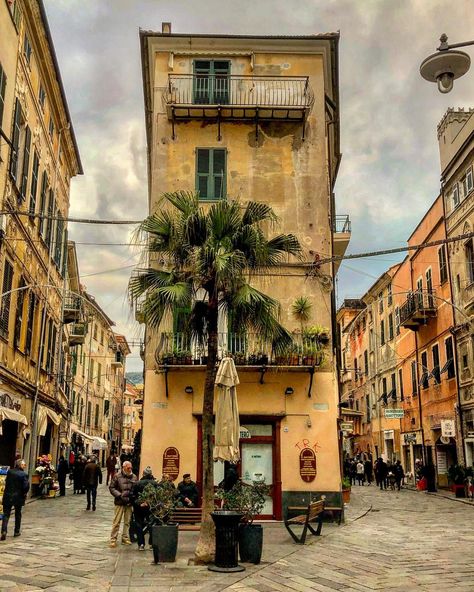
(263, 369)
(166, 370)
(256, 126)
(173, 136)
(311, 371)
(219, 137)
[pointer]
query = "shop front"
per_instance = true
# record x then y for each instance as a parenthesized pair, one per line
(412, 449)
(12, 429)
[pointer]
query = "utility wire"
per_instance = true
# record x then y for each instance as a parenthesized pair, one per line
(68, 219)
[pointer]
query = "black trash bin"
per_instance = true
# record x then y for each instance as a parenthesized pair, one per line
(227, 541)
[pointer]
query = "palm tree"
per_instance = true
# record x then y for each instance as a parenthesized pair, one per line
(208, 255)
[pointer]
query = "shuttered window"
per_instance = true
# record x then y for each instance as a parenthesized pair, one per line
(5, 300)
(30, 324)
(15, 141)
(50, 222)
(58, 247)
(20, 301)
(34, 184)
(211, 173)
(3, 84)
(26, 163)
(43, 200)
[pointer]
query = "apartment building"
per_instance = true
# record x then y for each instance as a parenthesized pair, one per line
(131, 416)
(38, 158)
(252, 118)
(456, 148)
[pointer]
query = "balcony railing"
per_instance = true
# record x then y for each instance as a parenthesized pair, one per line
(468, 297)
(72, 308)
(190, 96)
(247, 350)
(77, 334)
(342, 224)
(417, 309)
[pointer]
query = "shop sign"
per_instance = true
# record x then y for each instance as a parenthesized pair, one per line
(393, 413)
(447, 428)
(411, 438)
(244, 433)
(171, 462)
(347, 426)
(307, 465)
(10, 402)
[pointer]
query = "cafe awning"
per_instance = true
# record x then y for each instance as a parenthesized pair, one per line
(43, 414)
(84, 435)
(99, 443)
(12, 415)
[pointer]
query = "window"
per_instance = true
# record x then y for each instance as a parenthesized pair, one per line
(414, 382)
(382, 332)
(89, 410)
(436, 369)
(30, 325)
(27, 49)
(465, 362)
(381, 302)
(390, 326)
(26, 163)
(468, 183)
(443, 265)
(211, 173)
(455, 196)
(58, 247)
(99, 374)
(95, 331)
(16, 12)
(3, 84)
(384, 391)
(356, 369)
(41, 96)
(43, 223)
(469, 251)
(211, 82)
(371, 340)
(91, 371)
(14, 158)
(397, 321)
(5, 300)
(367, 408)
(425, 372)
(393, 390)
(389, 295)
(51, 128)
(51, 347)
(34, 184)
(102, 337)
(400, 384)
(106, 408)
(366, 363)
(96, 419)
(20, 300)
(449, 367)
(49, 221)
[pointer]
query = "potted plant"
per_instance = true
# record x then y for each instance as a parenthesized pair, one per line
(161, 499)
(239, 358)
(168, 357)
(458, 474)
(346, 490)
(248, 500)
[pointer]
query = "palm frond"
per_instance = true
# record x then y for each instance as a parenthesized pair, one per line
(257, 211)
(186, 202)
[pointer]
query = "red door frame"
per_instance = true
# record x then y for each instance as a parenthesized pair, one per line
(276, 441)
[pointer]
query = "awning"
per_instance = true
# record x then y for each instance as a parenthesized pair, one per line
(99, 443)
(43, 414)
(12, 415)
(85, 436)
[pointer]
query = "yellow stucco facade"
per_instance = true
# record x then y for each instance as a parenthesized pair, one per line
(286, 156)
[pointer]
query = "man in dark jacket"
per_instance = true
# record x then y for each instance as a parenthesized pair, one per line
(63, 470)
(141, 511)
(91, 478)
(111, 464)
(382, 472)
(187, 492)
(121, 488)
(14, 496)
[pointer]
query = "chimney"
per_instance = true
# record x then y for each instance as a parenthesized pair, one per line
(166, 28)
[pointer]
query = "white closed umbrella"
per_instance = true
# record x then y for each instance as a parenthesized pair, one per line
(226, 444)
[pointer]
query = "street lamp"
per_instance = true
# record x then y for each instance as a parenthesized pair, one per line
(444, 66)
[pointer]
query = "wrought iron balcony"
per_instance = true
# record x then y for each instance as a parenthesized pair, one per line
(247, 349)
(77, 334)
(342, 224)
(72, 308)
(229, 97)
(417, 309)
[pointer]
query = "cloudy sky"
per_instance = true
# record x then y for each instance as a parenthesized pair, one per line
(390, 168)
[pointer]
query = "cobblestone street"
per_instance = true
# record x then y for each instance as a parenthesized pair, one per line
(392, 541)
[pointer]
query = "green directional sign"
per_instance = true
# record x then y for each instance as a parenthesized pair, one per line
(393, 413)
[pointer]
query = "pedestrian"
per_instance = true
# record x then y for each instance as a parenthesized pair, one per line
(111, 464)
(368, 471)
(141, 510)
(382, 472)
(77, 473)
(353, 471)
(91, 478)
(360, 472)
(188, 494)
(121, 487)
(63, 470)
(399, 474)
(14, 496)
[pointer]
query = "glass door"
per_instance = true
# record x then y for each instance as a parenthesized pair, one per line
(257, 465)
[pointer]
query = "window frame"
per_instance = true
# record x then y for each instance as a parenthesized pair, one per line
(443, 264)
(8, 275)
(27, 49)
(210, 197)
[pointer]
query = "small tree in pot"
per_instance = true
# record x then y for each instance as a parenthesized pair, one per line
(249, 500)
(161, 499)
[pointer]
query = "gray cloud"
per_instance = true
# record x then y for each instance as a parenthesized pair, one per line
(390, 170)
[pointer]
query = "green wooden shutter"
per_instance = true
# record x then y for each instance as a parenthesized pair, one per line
(202, 82)
(30, 324)
(26, 163)
(34, 184)
(42, 210)
(5, 300)
(221, 71)
(50, 221)
(15, 142)
(219, 173)
(203, 156)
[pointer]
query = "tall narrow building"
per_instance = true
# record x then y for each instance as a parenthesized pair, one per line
(251, 118)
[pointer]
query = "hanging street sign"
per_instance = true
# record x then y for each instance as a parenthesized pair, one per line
(448, 428)
(394, 413)
(347, 426)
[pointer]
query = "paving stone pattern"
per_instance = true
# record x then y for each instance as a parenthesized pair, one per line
(396, 541)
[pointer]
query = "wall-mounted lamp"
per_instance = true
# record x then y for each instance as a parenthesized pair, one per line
(289, 390)
(189, 390)
(308, 422)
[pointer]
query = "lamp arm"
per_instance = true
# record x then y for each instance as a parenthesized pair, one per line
(444, 46)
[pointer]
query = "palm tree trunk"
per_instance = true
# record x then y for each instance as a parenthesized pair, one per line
(205, 549)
